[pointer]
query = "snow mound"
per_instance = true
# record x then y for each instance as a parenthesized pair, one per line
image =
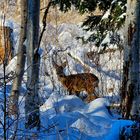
(62, 103)
(72, 119)
(98, 108)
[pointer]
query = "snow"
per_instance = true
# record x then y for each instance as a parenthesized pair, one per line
(86, 121)
(65, 38)
(106, 15)
(85, 126)
(122, 15)
(116, 127)
(62, 103)
(11, 66)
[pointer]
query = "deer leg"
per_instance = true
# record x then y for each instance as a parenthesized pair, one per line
(80, 96)
(91, 96)
(77, 93)
(70, 92)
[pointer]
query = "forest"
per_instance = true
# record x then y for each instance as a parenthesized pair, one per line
(69, 70)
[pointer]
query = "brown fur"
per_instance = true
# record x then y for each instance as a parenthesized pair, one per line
(76, 83)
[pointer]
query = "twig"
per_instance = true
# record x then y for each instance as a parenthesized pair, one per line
(44, 24)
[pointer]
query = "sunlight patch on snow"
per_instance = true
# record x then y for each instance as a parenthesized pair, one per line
(86, 126)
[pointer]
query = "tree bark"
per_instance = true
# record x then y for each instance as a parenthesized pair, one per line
(130, 84)
(135, 70)
(6, 44)
(13, 105)
(33, 61)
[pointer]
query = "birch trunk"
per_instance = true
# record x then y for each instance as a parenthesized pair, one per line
(13, 106)
(33, 61)
(130, 84)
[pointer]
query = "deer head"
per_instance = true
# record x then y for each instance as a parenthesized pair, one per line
(59, 68)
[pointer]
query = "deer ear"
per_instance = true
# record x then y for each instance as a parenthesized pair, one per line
(64, 64)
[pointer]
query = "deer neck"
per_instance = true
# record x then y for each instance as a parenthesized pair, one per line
(62, 78)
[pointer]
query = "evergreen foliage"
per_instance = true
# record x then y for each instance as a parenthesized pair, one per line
(110, 20)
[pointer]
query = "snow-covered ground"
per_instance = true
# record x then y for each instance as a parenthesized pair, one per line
(73, 119)
(67, 117)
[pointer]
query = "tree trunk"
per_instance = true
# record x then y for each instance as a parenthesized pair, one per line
(13, 105)
(135, 70)
(130, 85)
(33, 61)
(6, 44)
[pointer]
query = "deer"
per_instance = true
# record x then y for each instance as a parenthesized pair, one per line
(76, 83)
